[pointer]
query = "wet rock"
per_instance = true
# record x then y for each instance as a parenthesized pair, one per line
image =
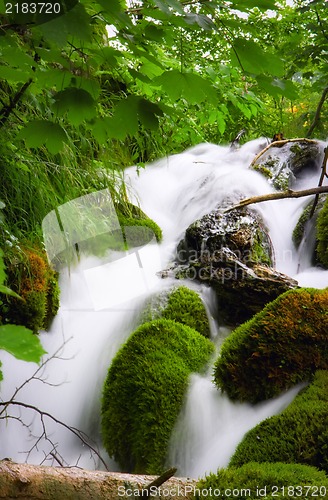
(232, 253)
(217, 234)
(283, 165)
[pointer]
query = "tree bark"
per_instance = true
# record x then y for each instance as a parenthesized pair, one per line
(35, 482)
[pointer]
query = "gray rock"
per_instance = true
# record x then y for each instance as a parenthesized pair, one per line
(285, 164)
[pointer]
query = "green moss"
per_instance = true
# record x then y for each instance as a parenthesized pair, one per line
(138, 229)
(265, 480)
(282, 345)
(144, 391)
(298, 231)
(31, 277)
(53, 295)
(182, 305)
(298, 435)
(138, 232)
(322, 235)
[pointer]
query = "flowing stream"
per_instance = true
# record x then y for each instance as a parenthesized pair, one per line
(100, 303)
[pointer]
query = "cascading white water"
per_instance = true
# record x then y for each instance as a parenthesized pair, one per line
(99, 308)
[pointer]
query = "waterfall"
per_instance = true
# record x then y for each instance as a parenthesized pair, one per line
(100, 303)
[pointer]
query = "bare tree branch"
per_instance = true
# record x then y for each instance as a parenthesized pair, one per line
(316, 118)
(7, 110)
(278, 196)
(43, 414)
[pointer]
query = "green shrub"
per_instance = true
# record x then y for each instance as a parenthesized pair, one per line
(144, 391)
(298, 435)
(265, 480)
(179, 304)
(282, 345)
(322, 235)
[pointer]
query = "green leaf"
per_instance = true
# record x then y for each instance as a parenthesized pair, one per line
(55, 77)
(125, 118)
(148, 113)
(21, 343)
(13, 75)
(162, 6)
(176, 5)
(203, 21)
(76, 23)
(78, 104)
(43, 132)
(254, 59)
(8, 291)
(276, 87)
(155, 33)
(16, 57)
(189, 86)
(250, 4)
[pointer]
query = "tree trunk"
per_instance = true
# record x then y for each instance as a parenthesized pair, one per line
(35, 482)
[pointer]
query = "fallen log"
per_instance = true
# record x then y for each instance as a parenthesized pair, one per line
(36, 482)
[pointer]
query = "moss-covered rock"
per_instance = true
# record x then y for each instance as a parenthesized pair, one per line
(264, 480)
(282, 345)
(32, 278)
(144, 391)
(180, 304)
(298, 435)
(131, 216)
(282, 165)
(231, 252)
(322, 235)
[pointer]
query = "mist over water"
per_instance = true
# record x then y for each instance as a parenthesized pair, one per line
(100, 304)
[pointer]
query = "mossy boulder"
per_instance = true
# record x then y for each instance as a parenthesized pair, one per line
(180, 304)
(322, 235)
(264, 480)
(298, 435)
(282, 345)
(131, 216)
(283, 165)
(232, 252)
(144, 392)
(31, 277)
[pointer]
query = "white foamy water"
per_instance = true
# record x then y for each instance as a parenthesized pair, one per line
(100, 303)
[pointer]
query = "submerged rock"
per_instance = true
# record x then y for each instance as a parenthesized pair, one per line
(232, 253)
(282, 165)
